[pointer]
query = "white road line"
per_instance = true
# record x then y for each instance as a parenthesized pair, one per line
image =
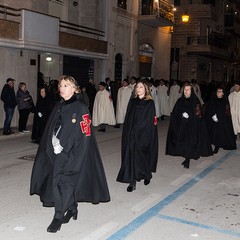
(179, 181)
(101, 231)
(146, 202)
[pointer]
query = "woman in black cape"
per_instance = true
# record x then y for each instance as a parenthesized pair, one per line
(219, 121)
(187, 133)
(139, 139)
(68, 167)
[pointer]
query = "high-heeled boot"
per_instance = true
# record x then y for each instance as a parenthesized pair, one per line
(55, 225)
(186, 163)
(70, 214)
(131, 186)
(216, 149)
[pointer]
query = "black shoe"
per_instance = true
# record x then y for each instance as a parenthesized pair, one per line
(162, 117)
(6, 133)
(11, 131)
(215, 150)
(55, 225)
(146, 181)
(186, 163)
(102, 130)
(70, 214)
(117, 126)
(132, 186)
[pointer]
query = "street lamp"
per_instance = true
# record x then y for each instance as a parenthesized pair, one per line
(185, 18)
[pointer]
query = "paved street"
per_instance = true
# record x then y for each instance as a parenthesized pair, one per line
(199, 203)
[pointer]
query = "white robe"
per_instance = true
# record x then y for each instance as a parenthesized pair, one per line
(234, 101)
(155, 99)
(173, 96)
(163, 100)
(103, 111)
(197, 91)
(124, 94)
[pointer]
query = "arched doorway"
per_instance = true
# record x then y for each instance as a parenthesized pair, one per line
(145, 60)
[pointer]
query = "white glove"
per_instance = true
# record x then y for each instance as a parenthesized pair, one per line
(185, 115)
(214, 118)
(40, 114)
(56, 145)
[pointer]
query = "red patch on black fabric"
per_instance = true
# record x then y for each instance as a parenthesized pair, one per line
(85, 125)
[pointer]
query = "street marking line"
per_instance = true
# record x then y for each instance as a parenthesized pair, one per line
(181, 180)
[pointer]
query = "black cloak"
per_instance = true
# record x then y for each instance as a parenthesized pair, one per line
(221, 132)
(80, 156)
(139, 141)
(188, 137)
(39, 121)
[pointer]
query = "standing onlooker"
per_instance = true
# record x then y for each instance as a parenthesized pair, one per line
(85, 97)
(9, 100)
(154, 94)
(187, 133)
(103, 112)
(25, 104)
(219, 122)
(124, 94)
(174, 94)
(234, 100)
(163, 99)
(42, 111)
(91, 92)
(68, 167)
(139, 139)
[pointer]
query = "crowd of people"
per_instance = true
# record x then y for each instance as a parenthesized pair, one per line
(68, 154)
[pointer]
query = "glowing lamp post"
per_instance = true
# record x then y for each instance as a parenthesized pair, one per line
(185, 18)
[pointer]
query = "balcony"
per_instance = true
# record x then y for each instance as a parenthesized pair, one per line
(214, 45)
(159, 14)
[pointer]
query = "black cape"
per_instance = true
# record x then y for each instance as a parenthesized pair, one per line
(139, 141)
(221, 132)
(80, 156)
(39, 122)
(188, 137)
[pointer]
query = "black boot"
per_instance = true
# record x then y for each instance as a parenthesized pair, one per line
(186, 163)
(132, 186)
(55, 225)
(215, 150)
(146, 181)
(70, 214)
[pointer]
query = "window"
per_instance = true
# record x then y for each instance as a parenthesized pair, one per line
(122, 4)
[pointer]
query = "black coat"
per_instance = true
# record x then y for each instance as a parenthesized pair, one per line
(188, 137)
(80, 156)
(39, 122)
(221, 132)
(139, 141)
(8, 96)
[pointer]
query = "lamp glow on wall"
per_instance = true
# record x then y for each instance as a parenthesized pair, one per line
(48, 59)
(185, 18)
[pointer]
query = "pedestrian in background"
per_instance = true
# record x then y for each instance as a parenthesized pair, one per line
(68, 167)
(103, 111)
(9, 99)
(188, 136)
(42, 111)
(219, 122)
(139, 139)
(25, 105)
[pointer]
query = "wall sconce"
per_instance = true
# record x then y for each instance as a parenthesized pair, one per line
(185, 18)
(48, 59)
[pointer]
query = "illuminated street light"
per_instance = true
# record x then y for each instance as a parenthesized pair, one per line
(185, 18)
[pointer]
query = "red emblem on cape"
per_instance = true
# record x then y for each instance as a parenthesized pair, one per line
(155, 120)
(85, 125)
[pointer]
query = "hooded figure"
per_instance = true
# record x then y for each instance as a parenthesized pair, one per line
(68, 166)
(187, 133)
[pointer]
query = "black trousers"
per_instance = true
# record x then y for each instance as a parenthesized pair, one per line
(23, 118)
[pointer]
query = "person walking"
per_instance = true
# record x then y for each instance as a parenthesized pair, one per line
(139, 148)
(219, 122)
(234, 101)
(25, 104)
(9, 99)
(68, 167)
(103, 111)
(187, 133)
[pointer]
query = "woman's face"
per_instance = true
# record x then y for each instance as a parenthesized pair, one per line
(140, 90)
(187, 91)
(43, 92)
(23, 88)
(220, 93)
(66, 89)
